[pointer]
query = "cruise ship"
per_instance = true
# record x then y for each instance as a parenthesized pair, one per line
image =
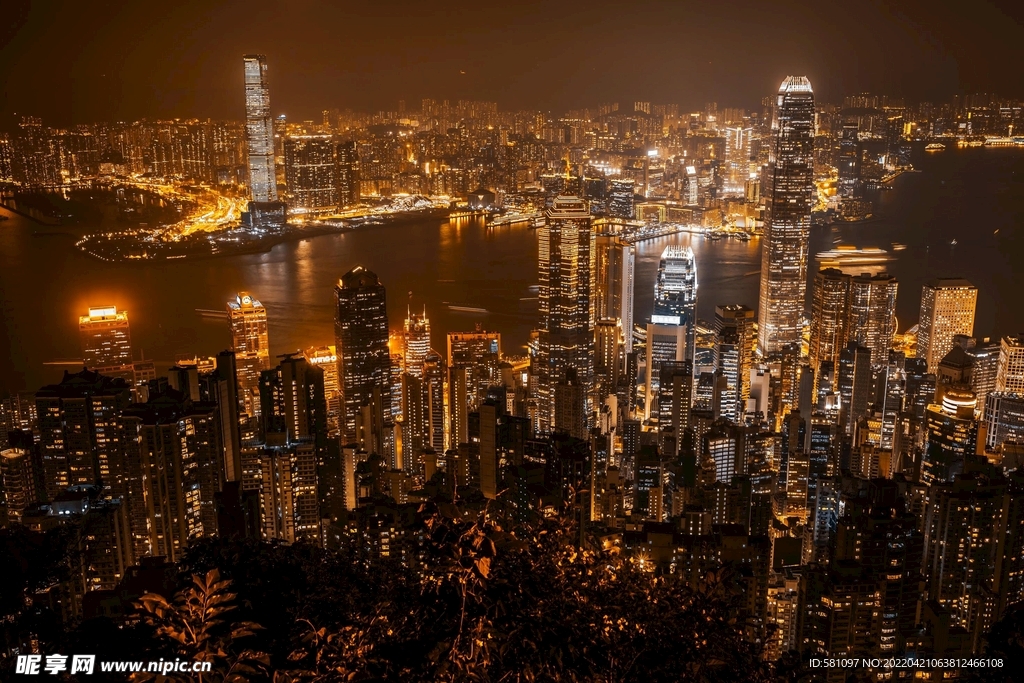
(847, 255)
(934, 147)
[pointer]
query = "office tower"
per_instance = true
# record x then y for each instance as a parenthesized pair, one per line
(848, 162)
(734, 350)
(173, 454)
(259, 130)
(247, 319)
(614, 276)
(309, 169)
(290, 508)
(947, 309)
(873, 314)
(346, 174)
(675, 292)
(854, 381)
(106, 339)
(952, 435)
(1004, 419)
(566, 330)
(361, 337)
(326, 358)
(80, 437)
(664, 343)
(415, 342)
(830, 316)
(620, 198)
(789, 196)
(1010, 370)
(691, 187)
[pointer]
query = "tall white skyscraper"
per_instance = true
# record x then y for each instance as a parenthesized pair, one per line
(259, 130)
(789, 196)
(675, 292)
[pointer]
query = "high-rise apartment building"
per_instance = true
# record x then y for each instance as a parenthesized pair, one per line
(566, 331)
(80, 437)
(106, 338)
(309, 171)
(247, 319)
(734, 353)
(789, 196)
(259, 130)
(947, 310)
(346, 174)
(361, 338)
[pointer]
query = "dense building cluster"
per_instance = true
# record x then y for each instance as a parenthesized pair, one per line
(868, 494)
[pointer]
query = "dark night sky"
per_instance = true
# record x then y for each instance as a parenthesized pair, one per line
(81, 60)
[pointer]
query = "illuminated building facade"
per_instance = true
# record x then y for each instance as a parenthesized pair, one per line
(566, 332)
(621, 197)
(346, 174)
(106, 338)
(873, 314)
(952, 435)
(309, 169)
(1004, 419)
(734, 351)
(675, 292)
(614, 277)
(326, 358)
(789, 197)
(247, 319)
(259, 130)
(361, 337)
(1010, 371)
(947, 310)
(415, 342)
(830, 306)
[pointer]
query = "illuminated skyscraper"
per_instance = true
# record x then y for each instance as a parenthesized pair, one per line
(1010, 371)
(259, 130)
(734, 350)
(620, 198)
(309, 169)
(346, 173)
(675, 292)
(830, 315)
(566, 332)
(416, 342)
(361, 334)
(326, 358)
(249, 340)
(873, 314)
(947, 309)
(613, 284)
(848, 163)
(789, 196)
(106, 339)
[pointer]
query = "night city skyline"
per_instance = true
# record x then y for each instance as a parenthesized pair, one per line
(604, 343)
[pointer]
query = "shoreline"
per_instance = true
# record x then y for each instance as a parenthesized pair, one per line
(266, 244)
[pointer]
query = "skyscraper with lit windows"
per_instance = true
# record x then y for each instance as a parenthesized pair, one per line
(415, 342)
(675, 292)
(249, 340)
(947, 309)
(566, 332)
(789, 196)
(259, 130)
(361, 339)
(106, 338)
(309, 171)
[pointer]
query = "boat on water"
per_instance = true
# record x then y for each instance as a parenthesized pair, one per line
(934, 147)
(846, 255)
(896, 246)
